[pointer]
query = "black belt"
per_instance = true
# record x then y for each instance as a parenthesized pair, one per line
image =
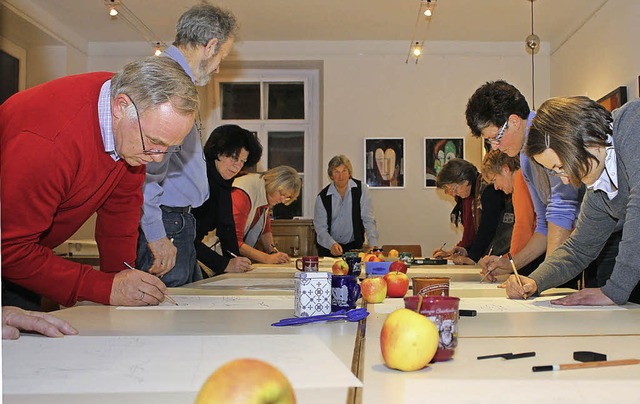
(176, 209)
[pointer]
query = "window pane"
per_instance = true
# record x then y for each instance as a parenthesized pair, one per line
(240, 101)
(286, 149)
(281, 211)
(286, 100)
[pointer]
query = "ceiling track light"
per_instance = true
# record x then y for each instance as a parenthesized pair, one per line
(416, 47)
(118, 10)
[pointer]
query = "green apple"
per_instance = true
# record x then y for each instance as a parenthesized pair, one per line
(246, 381)
(408, 340)
(373, 289)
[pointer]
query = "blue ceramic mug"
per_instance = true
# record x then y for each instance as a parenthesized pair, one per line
(355, 264)
(345, 292)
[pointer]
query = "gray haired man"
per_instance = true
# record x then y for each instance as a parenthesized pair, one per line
(205, 35)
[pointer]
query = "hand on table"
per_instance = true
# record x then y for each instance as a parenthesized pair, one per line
(164, 254)
(493, 265)
(15, 319)
(336, 250)
(132, 287)
(239, 264)
(585, 297)
(515, 291)
(278, 258)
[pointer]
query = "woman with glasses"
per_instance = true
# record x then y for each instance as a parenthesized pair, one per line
(582, 142)
(480, 208)
(503, 171)
(253, 196)
(227, 151)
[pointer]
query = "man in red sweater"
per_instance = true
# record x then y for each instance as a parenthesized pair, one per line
(77, 146)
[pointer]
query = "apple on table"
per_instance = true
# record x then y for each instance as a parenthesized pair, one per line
(373, 289)
(393, 253)
(397, 284)
(408, 340)
(398, 266)
(340, 267)
(246, 380)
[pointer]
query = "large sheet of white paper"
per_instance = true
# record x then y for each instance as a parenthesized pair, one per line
(201, 302)
(505, 305)
(251, 283)
(77, 364)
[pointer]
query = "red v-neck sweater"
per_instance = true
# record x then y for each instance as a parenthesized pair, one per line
(55, 174)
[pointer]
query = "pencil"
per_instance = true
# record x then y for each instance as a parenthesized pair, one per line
(515, 272)
(274, 248)
(165, 295)
(584, 365)
(232, 254)
(485, 275)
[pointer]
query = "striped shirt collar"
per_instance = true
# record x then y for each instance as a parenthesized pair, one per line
(104, 118)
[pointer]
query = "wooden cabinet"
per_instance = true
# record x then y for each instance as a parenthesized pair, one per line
(290, 235)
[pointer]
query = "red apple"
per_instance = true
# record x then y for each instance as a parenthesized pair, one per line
(340, 267)
(373, 289)
(398, 266)
(397, 284)
(369, 258)
(246, 381)
(408, 340)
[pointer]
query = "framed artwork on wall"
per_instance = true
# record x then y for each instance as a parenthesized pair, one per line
(614, 99)
(384, 162)
(437, 152)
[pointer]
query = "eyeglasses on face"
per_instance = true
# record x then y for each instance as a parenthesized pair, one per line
(284, 197)
(452, 189)
(556, 173)
(175, 149)
(496, 140)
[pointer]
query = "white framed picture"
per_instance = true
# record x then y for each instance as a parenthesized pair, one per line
(384, 162)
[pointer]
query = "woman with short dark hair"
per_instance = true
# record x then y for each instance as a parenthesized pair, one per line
(228, 150)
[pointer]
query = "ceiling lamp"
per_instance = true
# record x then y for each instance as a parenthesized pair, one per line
(532, 43)
(158, 49)
(425, 8)
(117, 10)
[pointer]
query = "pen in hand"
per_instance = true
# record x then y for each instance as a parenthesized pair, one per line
(274, 248)
(515, 272)
(488, 272)
(169, 298)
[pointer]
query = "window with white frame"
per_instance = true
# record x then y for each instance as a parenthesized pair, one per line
(281, 108)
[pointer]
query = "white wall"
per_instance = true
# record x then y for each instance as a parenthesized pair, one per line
(368, 91)
(603, 55)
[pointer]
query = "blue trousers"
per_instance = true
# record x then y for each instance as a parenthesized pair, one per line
(181, 227)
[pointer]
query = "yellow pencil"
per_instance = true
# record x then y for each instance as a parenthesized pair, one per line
(515, 272)
(485, 275)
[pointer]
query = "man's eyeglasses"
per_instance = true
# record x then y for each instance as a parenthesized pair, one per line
(559, 173)
(175, 149)
(496, 140)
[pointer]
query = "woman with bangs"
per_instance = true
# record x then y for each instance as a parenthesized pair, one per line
(579, 141)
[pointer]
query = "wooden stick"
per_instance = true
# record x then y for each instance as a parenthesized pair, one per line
(169, 298)
(584, 365)
(485, 275)
(515, 271)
